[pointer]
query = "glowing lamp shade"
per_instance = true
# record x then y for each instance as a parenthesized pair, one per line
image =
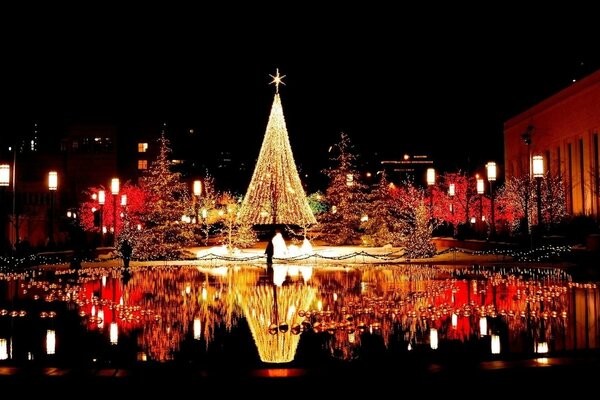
(480, 188)
(541, 347)
(495, 344)
(197, 329)
(452, 189)
(491, 171)
(114, 186)
(433, 338)
(4, 174)
(197, 188)
(52, 180)
(114, 333)
(101, 197)
(123, 200)
(483, 326)
(50, 341)
(430, 176)
(538, 166)
(3, 349)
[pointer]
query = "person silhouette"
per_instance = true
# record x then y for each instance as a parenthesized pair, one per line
(269, 251)
(126, 251)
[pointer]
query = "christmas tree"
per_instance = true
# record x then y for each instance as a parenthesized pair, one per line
(418, 244)
(275, 194)
(163, 234)
(344, 195)
(383, 223)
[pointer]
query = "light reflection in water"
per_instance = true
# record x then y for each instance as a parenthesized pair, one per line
(407, 307)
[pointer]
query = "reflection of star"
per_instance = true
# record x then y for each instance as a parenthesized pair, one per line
(277, 80)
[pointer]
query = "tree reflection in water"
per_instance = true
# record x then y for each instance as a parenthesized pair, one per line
(398, 306)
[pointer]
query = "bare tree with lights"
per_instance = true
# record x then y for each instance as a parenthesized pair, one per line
(275, 195)
(236, 234)
(345, 196)
(163, 233)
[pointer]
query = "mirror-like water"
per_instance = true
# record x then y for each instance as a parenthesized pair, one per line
(298, 315)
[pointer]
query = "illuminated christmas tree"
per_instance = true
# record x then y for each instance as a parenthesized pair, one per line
(163, 235)
(275, 194)
(345, 197)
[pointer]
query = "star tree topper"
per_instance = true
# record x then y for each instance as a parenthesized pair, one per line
(277, 80)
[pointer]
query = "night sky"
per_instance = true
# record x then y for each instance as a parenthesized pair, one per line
(395, 84)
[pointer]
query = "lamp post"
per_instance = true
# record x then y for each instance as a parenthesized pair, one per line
(538, 174)
(114, 189)
(197, 189)
(101, 201)
(430, 183)
(480, 190)
(52, 186)
(4, 182)
(491, 176)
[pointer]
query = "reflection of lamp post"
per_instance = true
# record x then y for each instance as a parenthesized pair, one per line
(197, 192)
(430, 183)
(114, 189)
(491, 175)
(480, 190)
(538, 173)
(52, 186)
(101, 201)
(4, 182)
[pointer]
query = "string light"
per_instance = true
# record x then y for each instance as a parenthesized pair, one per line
(275, 194)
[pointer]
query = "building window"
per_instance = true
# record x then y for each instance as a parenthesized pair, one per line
(142, 164)
(142, 147)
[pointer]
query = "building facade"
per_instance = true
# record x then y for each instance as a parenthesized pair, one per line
(564, 130)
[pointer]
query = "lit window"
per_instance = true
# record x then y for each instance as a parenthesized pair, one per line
(142, 147)
(142, 164)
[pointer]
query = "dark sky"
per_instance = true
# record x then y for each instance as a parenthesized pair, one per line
(394, 82)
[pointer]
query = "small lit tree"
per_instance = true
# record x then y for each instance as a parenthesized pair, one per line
(163, 233)
(236, 233)
(382, 221)
(344, 196)
(418, 243)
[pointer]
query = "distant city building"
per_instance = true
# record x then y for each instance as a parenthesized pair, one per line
(411, 168)
(563, 129)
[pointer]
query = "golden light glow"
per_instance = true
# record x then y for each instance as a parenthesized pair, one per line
(197, 188)
(101, 197)
(495, 344)
(114, 333)
(491, 171)
(538, 166)
(52, 180)
(275, 194)
(483, 326)
(123, 200)
(197, 328)
(541, 347)
(270, 311)
(451, 189)
(50, 341)
(4, 174)
(3, 349)
(277, 80)
(115, 186)
(433, 338)
(480, 187)
(430, 176)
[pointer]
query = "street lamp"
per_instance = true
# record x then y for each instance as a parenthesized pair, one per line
(101, 201)
(491, 175)
(52, 186)
(451, 193)
(197, 189)
(430, 183)
(4, 182)
(480, 190)
(538, 174)
(114, 189)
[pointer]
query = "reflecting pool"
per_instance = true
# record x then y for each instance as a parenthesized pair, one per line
(292, 315)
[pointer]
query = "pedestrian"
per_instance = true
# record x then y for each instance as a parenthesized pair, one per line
(269, 251)
(126, 251)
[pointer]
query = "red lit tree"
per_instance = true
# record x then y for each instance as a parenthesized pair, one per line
(344, 196)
